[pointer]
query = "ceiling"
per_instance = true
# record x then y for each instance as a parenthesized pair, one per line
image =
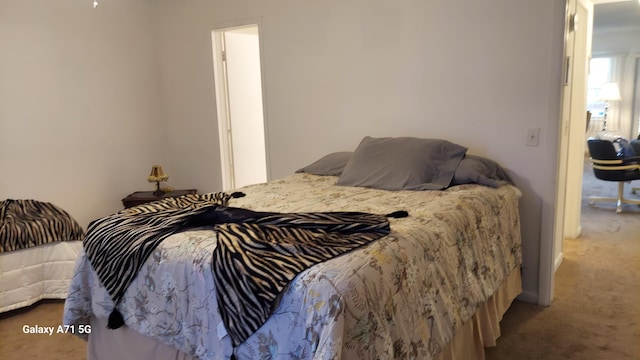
(616, 15)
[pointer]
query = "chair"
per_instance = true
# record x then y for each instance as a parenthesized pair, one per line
(635, 144)
(608, 166)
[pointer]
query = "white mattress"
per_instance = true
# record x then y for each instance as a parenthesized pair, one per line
(42, 272)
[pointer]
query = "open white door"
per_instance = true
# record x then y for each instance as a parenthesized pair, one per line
(578, 117)
(239, 102)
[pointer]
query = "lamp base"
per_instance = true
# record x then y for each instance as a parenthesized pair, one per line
(158, 192)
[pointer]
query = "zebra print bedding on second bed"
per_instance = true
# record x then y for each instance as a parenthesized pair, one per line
(28, 223)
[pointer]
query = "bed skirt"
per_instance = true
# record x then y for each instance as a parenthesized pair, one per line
(33, 274)
(484, 328)
(468, 343)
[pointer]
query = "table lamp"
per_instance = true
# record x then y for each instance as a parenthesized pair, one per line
(608, 92)
(157, 176)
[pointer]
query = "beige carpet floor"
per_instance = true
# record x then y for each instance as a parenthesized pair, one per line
(595, 314)
(596, 309)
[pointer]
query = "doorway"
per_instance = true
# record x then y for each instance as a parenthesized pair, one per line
(568, 216)
(577, 47)
(238, 84)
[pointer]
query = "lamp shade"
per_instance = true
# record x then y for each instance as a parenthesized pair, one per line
(157, 174)
(609, 92)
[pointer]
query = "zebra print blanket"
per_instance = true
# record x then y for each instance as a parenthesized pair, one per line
(28, 223)
(257, 254)
(118, 245)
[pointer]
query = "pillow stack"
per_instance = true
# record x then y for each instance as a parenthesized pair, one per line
(408, 163)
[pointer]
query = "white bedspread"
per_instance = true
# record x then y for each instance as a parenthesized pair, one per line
(41, 272)
(402, 296)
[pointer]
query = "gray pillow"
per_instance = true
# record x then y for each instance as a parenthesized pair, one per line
(328, 165)
(475, 169)
(402, 163)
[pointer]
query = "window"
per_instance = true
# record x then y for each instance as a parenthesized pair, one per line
(599, 74)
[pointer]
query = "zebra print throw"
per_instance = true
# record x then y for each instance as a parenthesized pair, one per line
(256, 256)
(118, 245)
(253, 261)
(28, 223)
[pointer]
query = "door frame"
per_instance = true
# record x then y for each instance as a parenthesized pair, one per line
(571, 122)
(224, 118)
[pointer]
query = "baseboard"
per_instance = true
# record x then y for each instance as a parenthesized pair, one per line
(528, 297)
(532, 297)
(576, 234)
(557, 262)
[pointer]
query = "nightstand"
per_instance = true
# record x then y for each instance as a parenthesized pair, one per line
(143, 197)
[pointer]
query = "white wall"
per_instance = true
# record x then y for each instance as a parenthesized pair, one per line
(622, 41)
(476, 73)
(81, 98)
(78, 104)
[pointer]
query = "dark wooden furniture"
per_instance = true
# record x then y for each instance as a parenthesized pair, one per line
(143, 197)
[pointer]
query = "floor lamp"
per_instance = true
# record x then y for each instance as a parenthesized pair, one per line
(608, 92)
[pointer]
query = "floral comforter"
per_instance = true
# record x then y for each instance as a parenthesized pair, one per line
(403, 296)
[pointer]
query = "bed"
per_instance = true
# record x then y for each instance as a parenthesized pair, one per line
(434, 287)
(39, 245)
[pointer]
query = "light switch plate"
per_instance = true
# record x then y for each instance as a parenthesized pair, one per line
(533, 136)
